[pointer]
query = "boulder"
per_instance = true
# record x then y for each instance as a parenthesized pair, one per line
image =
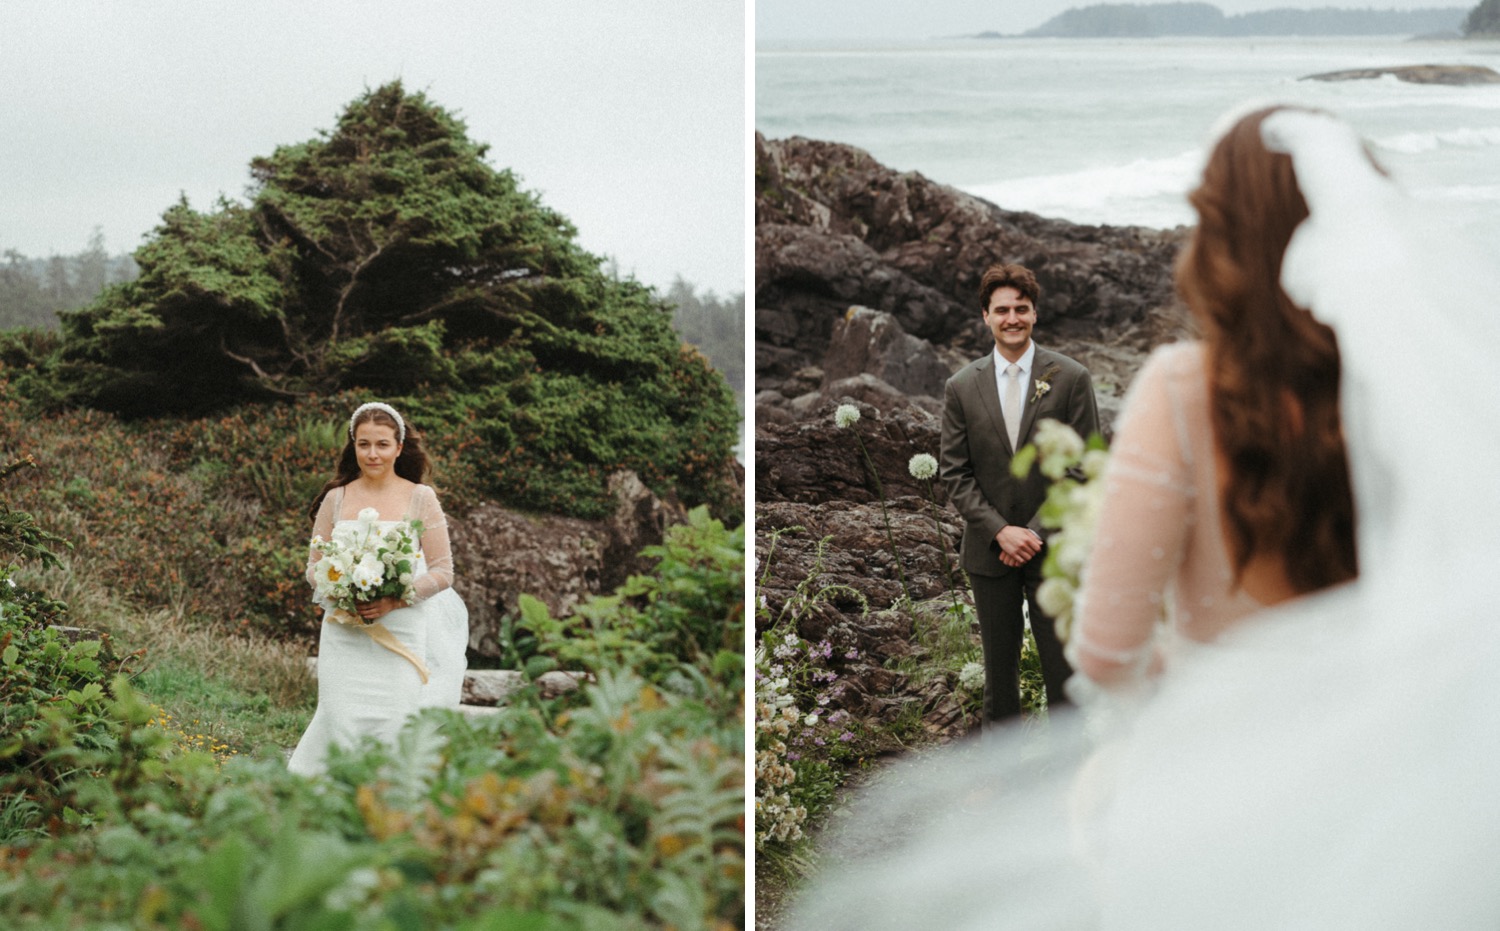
(491, 686)
(815, 461)
(501, 553)
(873, 343)
(1416, 74)
(815, 557)
(496, 686)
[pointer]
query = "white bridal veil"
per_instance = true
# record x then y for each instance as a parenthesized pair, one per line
(1334, 765)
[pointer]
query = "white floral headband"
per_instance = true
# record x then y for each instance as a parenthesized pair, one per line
(385, 409)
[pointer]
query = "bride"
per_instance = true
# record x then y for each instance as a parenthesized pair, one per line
(1329, 761)
(373, 676)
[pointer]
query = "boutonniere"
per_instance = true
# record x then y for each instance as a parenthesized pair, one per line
(1043, 384)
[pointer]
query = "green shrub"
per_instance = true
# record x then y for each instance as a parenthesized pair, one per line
(620, 805)
(53, 694)
(681, 627)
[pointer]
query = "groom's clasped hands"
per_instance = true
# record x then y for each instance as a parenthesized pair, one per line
(1017, 545)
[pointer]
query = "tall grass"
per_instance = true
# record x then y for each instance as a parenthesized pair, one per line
(243, 690)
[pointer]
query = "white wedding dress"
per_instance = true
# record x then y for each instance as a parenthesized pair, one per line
(1331, 763)
(366, 690)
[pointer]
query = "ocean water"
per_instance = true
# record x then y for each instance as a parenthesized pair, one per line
(1114, 131)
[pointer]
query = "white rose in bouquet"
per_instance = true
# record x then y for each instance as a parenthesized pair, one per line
(368, 572)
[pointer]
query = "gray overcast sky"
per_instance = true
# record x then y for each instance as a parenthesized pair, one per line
(627, 117)
(783, 20)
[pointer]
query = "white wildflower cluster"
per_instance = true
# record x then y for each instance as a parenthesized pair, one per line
(922, 467)
(1072, 511)
(777, 820)
(971, 677)
(847, 415)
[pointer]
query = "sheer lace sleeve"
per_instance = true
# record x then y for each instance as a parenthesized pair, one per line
(435, 547)
(322, 527)
(1144, 523)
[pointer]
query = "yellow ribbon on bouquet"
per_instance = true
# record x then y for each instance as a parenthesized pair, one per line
(381, 634)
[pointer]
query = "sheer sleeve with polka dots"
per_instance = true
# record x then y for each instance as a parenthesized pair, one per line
(435, 544)
(1145, 524)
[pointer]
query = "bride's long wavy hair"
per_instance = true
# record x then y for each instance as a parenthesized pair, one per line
(1274, 369)
(411, 465)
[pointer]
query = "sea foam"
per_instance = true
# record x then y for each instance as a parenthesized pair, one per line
(1417, 143)
(1145, 192)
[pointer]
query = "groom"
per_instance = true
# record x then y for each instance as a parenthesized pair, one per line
(989, 410)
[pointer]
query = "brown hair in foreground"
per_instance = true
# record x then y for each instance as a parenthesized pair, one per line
(1274, 382)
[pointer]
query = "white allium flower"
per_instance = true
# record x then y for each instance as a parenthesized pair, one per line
(847, 415)
(368, 516)
(922, 466)
(971, 676)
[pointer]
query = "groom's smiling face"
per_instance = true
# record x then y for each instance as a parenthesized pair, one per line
(1010, 317)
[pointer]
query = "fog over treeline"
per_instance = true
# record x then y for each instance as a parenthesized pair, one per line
(33, 291)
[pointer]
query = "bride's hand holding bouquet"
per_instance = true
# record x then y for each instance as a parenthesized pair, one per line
(366, 572)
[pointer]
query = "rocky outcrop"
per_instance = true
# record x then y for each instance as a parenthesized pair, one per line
(868, 342)
(1416, 74)
(866, 293)
(814, 461)
(560, 560)
(820, 526)
(835, 229)
(841, 547)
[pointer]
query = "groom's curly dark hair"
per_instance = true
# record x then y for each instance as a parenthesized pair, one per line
(1009, 276)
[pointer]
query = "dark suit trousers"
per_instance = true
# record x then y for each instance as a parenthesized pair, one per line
(1002, 628)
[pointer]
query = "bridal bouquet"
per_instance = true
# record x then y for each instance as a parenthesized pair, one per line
(363, 563)
(1071, 511)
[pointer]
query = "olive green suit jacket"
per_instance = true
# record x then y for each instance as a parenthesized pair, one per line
(976, 450)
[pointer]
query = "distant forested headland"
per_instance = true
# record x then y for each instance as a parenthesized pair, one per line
(1129, 20)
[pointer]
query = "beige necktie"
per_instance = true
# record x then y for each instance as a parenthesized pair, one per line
(1011, 406)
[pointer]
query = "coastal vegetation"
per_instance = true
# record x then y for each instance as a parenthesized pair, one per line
(620, 805)
(388, 258)
(163, 444)
(1130, 20)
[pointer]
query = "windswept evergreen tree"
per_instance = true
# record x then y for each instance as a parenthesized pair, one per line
(389, 255)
